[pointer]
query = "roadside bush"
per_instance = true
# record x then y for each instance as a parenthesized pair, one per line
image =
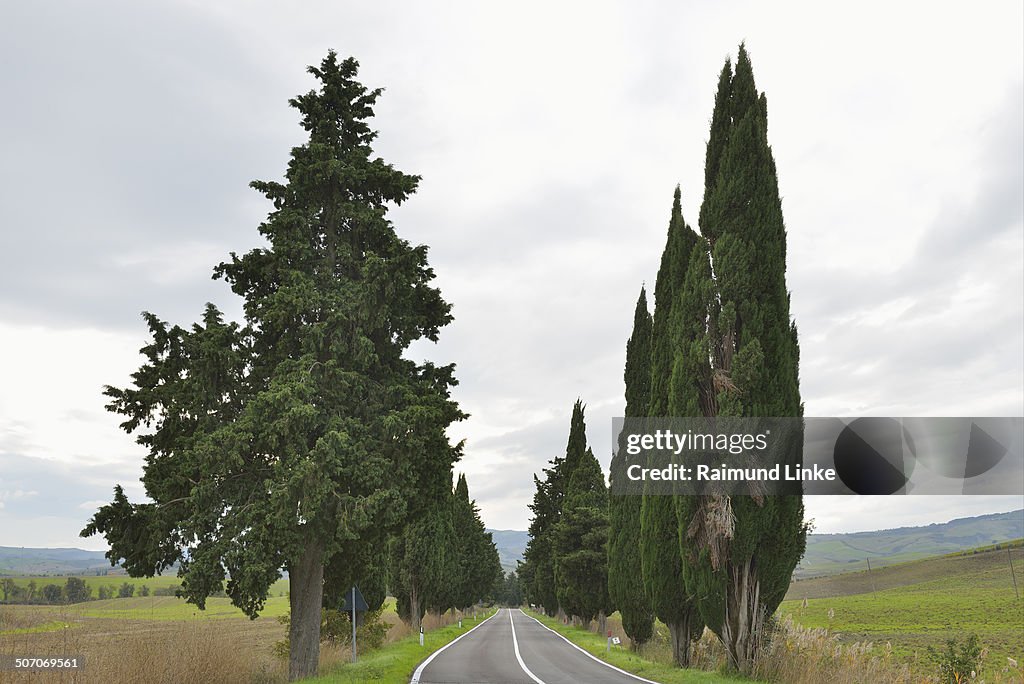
(336, 629)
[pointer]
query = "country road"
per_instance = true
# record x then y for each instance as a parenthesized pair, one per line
(512, 648)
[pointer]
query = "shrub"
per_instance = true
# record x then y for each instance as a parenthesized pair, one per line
(336, 629)
(958, 663)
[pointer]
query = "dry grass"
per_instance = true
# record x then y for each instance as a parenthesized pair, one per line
(157, 651)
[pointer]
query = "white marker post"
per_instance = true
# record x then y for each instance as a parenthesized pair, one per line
(421, 636)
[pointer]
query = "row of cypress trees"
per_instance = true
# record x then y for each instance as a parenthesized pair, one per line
(719, 343)
(445, 559)
(565, 564)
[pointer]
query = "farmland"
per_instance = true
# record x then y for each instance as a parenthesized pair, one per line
(920, 604)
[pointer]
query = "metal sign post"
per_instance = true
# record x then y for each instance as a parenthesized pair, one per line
(353, 623)
(353, 603)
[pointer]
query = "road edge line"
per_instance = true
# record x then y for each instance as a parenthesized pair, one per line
(515, 645)
(419, 669)
(588, 653)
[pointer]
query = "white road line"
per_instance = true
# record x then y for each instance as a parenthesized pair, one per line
(584, 652)
(419, 670)
(515, 644)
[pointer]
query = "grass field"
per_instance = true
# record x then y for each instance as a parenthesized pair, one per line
(94, 582)
(922, 603)
(165, 639)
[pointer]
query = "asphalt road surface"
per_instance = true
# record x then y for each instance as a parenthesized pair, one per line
(513, 648)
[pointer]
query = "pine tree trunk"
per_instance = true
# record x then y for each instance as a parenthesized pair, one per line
(602, 623)
(306, 590)
(744, 617)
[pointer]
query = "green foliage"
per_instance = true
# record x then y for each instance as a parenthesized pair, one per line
(126, 590)
(581, 542)
(423, 562)
(958, 663)
(478, 565)
(336, 628)
(508, 590)
(624, 561)
(661, 558)
(538, 568)
(540, 556)
(725, 346)
(294, 438)
(52, 593)
(76, 590)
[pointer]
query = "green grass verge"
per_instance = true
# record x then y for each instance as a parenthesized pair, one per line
(624, 659)
(395, 663)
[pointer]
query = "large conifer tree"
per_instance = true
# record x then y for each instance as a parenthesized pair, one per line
(661, 556)
(478, 564)
(624, 566)
(745, 568)
(291, 440)
(581, 542)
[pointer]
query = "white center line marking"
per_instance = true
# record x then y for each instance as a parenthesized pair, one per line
(515, 644)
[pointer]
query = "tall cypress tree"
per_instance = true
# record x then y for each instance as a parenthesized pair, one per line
(624, 566)
(538, 568)
(478, 566)
(541, 556)
(661, 556)
(755, 356)
(581, 542)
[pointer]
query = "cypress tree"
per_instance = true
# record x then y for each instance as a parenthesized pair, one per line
(478, 566)
(538, 569)
(661, 555)
(581, 542)
(624, 566)
(755, 357)
(540, 555)
(424, 560)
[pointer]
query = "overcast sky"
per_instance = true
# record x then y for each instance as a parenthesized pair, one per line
(550, 137)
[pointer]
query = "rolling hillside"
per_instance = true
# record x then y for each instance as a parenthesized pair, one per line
(829, 554)
(15, 561)
(922, 603)
(510, 545)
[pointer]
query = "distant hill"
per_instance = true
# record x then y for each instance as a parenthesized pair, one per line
(978, 566)
(510, 544)
(829, 554)
(28, 561)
